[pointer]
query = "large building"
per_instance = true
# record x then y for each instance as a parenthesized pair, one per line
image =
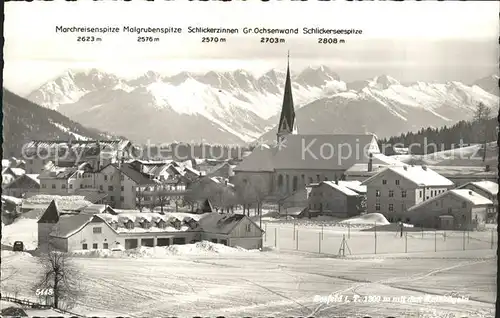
(131, 229)
(298, 160)
(395, 189)
(461, 209)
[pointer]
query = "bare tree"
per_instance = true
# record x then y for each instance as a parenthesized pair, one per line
(60, 277)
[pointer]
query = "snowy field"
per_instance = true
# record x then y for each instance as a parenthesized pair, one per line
(291, 280)
(236, 283)
(364, 239)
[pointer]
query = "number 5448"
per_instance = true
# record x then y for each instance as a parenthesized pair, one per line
(44, 292)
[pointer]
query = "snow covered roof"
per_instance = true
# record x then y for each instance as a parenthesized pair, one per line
(70, 202)
(487, 186)
(12, 200)
(18, 171)
(94, 209)
(220, 223)
(341, 188)
(260, 160)
(462, 194)
(354, 185)
(5, 163)
(128, 169)
(419, 175)
(172, 222)
(305, 152)
(70, 224)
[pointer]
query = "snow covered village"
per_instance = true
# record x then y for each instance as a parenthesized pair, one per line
(293, 193)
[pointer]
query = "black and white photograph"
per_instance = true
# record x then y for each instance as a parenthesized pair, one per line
(313, 159)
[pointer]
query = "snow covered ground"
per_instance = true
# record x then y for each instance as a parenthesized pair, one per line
(290, 280)
(279, 284)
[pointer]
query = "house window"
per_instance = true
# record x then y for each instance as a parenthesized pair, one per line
(397, 182)
(295, 183)
(449, 210)
(403, 194)
(71, 186)
(105, 246)
(391, 207)
(317, 177)
(129, 225)
(110, 188)
(101, 188)
(97, 230)
(81, 186)
(122, 177)
(384, 181)
(464, 204)
(391, 193)
(44, 185)
(377, 206)
(303, 178)
(420, 194)
(84, 246)
(53, 186)
(248, 228)
(310, 180)
(112, 198)
(105, 178)
(377, 193)
(94, 246)
(122, 199)
(122, 188)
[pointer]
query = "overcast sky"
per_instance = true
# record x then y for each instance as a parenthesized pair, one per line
(408, 40)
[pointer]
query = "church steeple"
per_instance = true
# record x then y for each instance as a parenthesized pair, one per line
(287, 118)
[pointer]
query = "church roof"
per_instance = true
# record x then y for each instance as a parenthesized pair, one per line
(287, 117)
(323, 152)
(305, 152)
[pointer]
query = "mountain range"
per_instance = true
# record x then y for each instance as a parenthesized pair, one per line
(237, 107)
(24, 121)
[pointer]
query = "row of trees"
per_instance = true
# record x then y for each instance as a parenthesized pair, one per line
(482, 129)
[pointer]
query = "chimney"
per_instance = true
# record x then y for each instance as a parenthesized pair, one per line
(405, 167)
(424, 168)
(487, 168)
(370, 163)
(470, 192)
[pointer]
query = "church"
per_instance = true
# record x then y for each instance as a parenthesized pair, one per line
(298, 160)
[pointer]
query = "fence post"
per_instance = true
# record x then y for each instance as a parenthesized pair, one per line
(463, 240)
(297, 239)
(492, 238)
(294, 230)
(375, 237)
(349, 230)
(322, 233)
(468, 237)
(435, 240)
(319, 242)
(422, 230)
(406, 242)
(276, 237)
(265, 232)
(444, 236)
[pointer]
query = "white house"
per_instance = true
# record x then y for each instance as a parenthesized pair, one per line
(395, 189)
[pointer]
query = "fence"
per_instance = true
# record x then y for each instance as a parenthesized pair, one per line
(27, 303)
(336, 240)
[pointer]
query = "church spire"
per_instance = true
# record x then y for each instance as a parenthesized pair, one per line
(287, 117)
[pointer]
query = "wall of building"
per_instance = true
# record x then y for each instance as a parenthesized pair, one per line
(54, 186)
(427, 215)
(262, 180)
(404, 195)
(303, 177)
